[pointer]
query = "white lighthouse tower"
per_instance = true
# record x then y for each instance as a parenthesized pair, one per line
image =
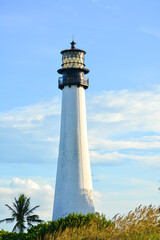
(73, 191)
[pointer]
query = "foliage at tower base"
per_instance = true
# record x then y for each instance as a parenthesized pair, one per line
(143, 223)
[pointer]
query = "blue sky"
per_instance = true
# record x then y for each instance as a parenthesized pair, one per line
(122, 41)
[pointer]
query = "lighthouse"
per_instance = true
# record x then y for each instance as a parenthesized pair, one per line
(73, 190)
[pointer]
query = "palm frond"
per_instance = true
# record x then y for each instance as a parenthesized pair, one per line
(30, 224)
(21, 225)
(10, 208)
(31, 210)
(37, 221)
(15, 205)
(15, 227)
(3, 220)
(26, 206)
(34, 218)
(9, 220)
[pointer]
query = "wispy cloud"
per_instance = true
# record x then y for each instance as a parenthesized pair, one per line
(112, 145)
(135, 191)
(121, 125)
(137, 110)
(151, 31)
(113, 158)
(125, 125)
(31, 116)
(40, 193)
(117, 158)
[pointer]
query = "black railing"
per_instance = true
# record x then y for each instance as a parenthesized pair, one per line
(69, 81)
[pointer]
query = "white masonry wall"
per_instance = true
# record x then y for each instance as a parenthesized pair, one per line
(73, 192)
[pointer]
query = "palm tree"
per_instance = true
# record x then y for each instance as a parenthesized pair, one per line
(21, 213)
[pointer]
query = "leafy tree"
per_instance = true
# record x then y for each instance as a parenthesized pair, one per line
(21, 213)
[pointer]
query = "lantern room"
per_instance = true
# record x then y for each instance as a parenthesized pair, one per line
(73, 68)
(73, 59)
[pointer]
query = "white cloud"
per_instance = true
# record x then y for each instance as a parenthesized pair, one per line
(121, 125)
(29, 184)
(125, 125)
(109, 201)
(110, 158)
(131, 109)
(134, 192)
(145, 142)
(116, 158)
(40, 193)
(50, 139)
(151, 138)
(151, 160)
(31, 116)
(151, 31)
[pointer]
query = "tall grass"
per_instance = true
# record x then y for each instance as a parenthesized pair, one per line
(141, 224)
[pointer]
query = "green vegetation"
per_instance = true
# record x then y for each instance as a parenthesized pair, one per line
(142, 224)
(22, 213)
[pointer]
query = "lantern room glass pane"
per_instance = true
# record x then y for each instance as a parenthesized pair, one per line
(73, 59)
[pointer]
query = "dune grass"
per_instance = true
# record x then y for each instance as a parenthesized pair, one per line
(141, 224)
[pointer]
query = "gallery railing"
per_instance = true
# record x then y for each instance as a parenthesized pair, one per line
(69, 81)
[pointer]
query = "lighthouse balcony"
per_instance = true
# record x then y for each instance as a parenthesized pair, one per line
(69, 81)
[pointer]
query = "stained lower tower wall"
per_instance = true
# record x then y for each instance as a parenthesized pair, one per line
(73, 192)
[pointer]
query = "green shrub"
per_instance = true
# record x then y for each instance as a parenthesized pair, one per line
(4, 235)
(71, 221)
(141, 224)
